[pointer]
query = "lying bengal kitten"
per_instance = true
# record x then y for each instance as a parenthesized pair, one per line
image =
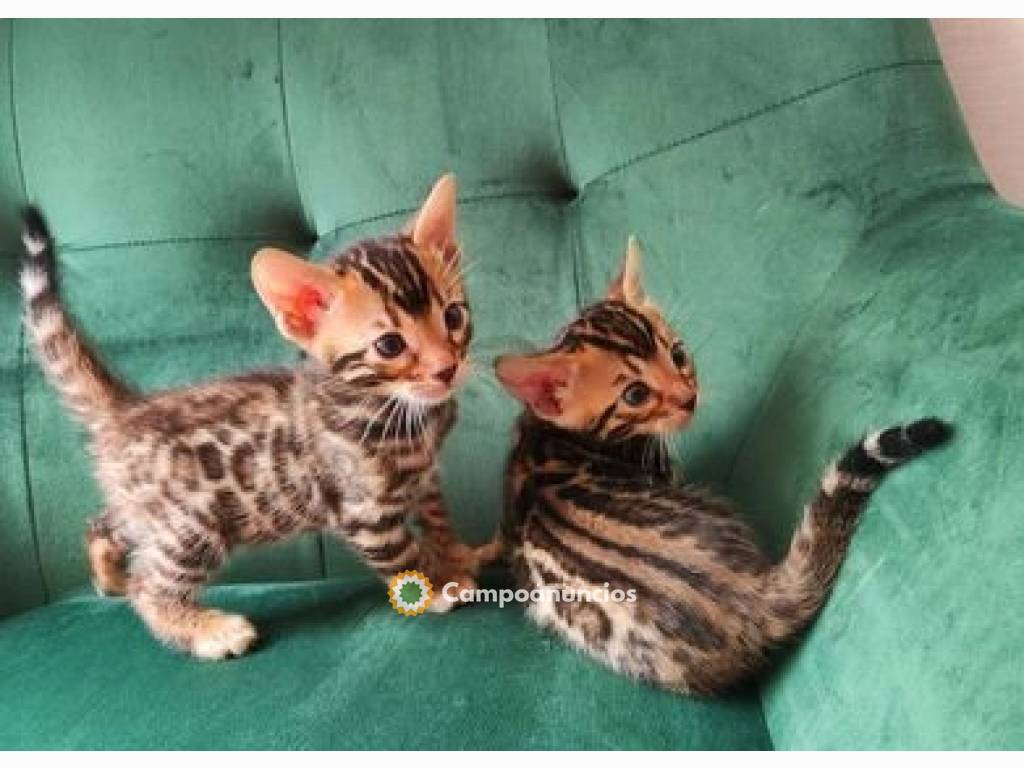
(586, 508)
(348, 445)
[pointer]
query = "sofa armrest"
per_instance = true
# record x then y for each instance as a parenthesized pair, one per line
(921, 636)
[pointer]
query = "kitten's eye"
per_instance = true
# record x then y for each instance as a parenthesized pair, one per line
(679, 356)
(636, 394)
(390, 345)
(454, 317)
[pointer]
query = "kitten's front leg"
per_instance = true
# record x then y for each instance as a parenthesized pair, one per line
(444, 557)
(379, 534)
(164, 585)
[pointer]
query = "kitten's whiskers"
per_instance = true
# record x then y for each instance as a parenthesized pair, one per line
(373, 420)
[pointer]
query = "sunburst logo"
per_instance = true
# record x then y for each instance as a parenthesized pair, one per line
(410, 592)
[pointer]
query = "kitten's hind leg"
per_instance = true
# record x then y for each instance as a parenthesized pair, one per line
(107, 556)
(164, 587)
(206, 633)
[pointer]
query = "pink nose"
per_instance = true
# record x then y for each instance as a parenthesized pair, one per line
(685, 402)
(446, 375)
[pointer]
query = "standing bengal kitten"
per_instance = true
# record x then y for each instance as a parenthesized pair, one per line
(584, 510)
(348, 445)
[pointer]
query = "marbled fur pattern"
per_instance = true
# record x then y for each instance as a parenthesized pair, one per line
(190, 474)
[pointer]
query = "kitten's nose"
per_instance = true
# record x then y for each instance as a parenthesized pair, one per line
(445, 376)
(689, 403)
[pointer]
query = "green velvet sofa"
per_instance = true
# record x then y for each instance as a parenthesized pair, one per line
(812, 214)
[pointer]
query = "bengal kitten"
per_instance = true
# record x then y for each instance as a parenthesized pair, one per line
(347, 444)
(587, 508)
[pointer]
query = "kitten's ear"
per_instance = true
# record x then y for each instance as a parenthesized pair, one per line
(296, 292)
(540, 381)
(434, 225)
(626, 287)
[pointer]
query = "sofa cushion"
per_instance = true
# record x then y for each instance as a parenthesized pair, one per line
(337, 668)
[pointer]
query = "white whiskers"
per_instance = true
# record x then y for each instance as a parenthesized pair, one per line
(373, 420)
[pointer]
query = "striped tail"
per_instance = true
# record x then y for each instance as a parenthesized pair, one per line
(798, 586)
(90, 391)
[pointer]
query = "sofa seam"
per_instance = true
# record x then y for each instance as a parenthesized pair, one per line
(462, 200)
(122, 344)
(286, 126)
(14, 111)
(174, 240)
(26, 469)
(753, 114)
(23, 347)
(144, 242)
(563, 154)
(575, 210)
(575, 213)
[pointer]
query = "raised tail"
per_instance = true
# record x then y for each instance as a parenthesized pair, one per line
(90, 391)
(798, 586)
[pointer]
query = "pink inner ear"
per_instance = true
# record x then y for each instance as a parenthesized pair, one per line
(307, 306)
(540, 391)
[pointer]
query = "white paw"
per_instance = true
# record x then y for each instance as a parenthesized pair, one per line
(441, 604)
(223, 636)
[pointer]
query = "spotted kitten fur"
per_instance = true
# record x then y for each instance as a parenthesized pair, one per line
(348, 445)
(586, 508)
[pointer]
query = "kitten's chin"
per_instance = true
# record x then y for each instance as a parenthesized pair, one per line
(428, 398)
(425, 401)
(674, 424)
(424, 394)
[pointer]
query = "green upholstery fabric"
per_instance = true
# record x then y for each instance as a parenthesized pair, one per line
(813, 218)
(338, 669)
(921, 637)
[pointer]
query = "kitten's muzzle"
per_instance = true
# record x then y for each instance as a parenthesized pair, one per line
(439, 386)
(446, 375)
(686, 402)
(682, 411)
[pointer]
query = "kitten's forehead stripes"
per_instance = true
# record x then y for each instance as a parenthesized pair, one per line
(614, 326)
(391, 267)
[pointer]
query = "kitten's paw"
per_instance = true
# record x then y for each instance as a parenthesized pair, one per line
(223, 635)
(441, 603)
(106, 560)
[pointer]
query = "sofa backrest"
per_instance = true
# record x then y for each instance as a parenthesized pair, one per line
(747, 156)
